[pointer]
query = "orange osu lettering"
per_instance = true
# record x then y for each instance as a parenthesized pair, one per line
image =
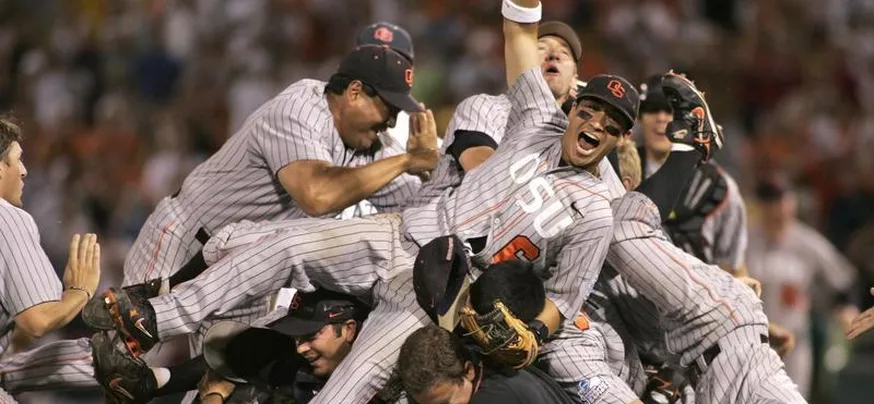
(408, 77)
(616, 88)
(582, 322)
(383, 34)
(519, 244)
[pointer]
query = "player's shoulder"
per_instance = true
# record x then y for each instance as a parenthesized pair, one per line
(590, 196)
(303, 101)
(13, 215)
(635, 206)
(484, 101)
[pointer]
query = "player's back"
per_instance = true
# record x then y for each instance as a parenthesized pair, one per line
(240, 180)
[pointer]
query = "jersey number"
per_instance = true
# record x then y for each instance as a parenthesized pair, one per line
(519, 244)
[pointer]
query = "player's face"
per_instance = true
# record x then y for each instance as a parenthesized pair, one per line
(12, 173)
(324, 350)
(557, 64)
(592, 132)
(365, 116)
(653, 125)
(449, 392)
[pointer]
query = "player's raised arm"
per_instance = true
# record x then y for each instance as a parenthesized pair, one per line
(521, 18)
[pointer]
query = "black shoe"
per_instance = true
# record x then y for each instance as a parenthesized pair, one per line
(693, 123)
(96, 311)
(134, 321)
(124, 379)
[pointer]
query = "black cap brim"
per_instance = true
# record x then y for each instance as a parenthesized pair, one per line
(402, 101)
(297, 327)
(629, 120)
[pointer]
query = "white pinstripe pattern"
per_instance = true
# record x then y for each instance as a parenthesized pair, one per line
(57, 365)
(6, 398)
(27, 278)
(239, 182)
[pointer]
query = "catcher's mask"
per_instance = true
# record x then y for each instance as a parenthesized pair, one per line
(441, 280)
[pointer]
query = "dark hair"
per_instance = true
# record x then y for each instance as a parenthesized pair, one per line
(512, 282)
(338, 83)
(9, 132)
(429, 356)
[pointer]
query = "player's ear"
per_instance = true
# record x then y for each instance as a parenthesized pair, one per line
(354, 90)
(469, 371)
(350, 330)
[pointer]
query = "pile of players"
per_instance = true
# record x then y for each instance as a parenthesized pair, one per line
(523, 261)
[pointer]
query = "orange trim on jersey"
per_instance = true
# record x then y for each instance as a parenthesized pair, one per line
(563, 183)
(512, 222)
(498, 205)
(154, 259)
(689, 272)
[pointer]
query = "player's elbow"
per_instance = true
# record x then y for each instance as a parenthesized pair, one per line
(33, 322)
(315, 203)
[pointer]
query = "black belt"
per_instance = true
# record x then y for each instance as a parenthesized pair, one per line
(696, 369)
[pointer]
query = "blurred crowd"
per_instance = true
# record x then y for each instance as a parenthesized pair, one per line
(120, 99)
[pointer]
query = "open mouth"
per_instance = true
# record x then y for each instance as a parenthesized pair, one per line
(551, 69)
(587, 141)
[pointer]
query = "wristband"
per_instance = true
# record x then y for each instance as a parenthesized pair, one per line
(540, 331)
(522, 15)
(87, 293)
(204, 395)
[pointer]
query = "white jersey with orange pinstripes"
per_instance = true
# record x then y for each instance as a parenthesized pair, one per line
(27, 279)
(239, 182)
(526, 204)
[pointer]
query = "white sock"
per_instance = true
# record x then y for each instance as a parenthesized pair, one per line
(162, 376)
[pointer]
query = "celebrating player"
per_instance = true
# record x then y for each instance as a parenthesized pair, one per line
(33, 301)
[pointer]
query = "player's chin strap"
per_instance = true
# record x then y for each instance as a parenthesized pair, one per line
(501, 335)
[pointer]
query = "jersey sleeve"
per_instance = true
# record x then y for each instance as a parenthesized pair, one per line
(479, 113)
(28, 277)
(579, 261)
(730, 238)
(393, 197)
(832, 267)
(533, 108)
(288, 132)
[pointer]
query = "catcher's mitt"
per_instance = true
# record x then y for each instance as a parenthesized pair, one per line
(501, 335)
(707, 190)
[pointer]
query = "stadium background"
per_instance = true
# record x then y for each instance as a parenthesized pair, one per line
(121, 98)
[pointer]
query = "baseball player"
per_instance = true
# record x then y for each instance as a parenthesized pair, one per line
(33, 301)
(790, 258)
(313, 150)
(536, 197)
(709, 220)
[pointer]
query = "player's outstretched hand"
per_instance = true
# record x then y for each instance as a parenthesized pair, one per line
(83, 265)
(422, 143)
(781, 339)
(863, 323)
(212, 384)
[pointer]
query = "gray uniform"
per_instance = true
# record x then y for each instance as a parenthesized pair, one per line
(699, 306)
(521, 201)
(788, 271)
(239, 182)
(26, 280)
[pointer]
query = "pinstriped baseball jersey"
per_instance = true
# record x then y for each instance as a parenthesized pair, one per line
(698, 303)
(27, 278)
(239, 181)
(479, 113)
(525, 204)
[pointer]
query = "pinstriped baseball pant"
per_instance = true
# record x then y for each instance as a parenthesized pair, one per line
(57, 365)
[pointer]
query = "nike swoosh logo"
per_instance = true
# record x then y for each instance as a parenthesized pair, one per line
(332, 315)
(141, 327)
(114, 384)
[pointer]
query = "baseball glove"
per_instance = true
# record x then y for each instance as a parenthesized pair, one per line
(501, 335)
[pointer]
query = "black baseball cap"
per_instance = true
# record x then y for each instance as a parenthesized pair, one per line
(652, 98)
(563, 31)
(387, 34)
(389, 73)
(441, 280)
(239, 351)
(616, 92)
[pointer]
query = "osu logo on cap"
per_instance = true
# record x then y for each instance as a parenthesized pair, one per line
(408, 77)
(615, 87)
(383, 34)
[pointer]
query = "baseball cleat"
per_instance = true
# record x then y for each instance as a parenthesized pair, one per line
(693, 123)
(124, 379)
(96, 311)
(134, 321)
